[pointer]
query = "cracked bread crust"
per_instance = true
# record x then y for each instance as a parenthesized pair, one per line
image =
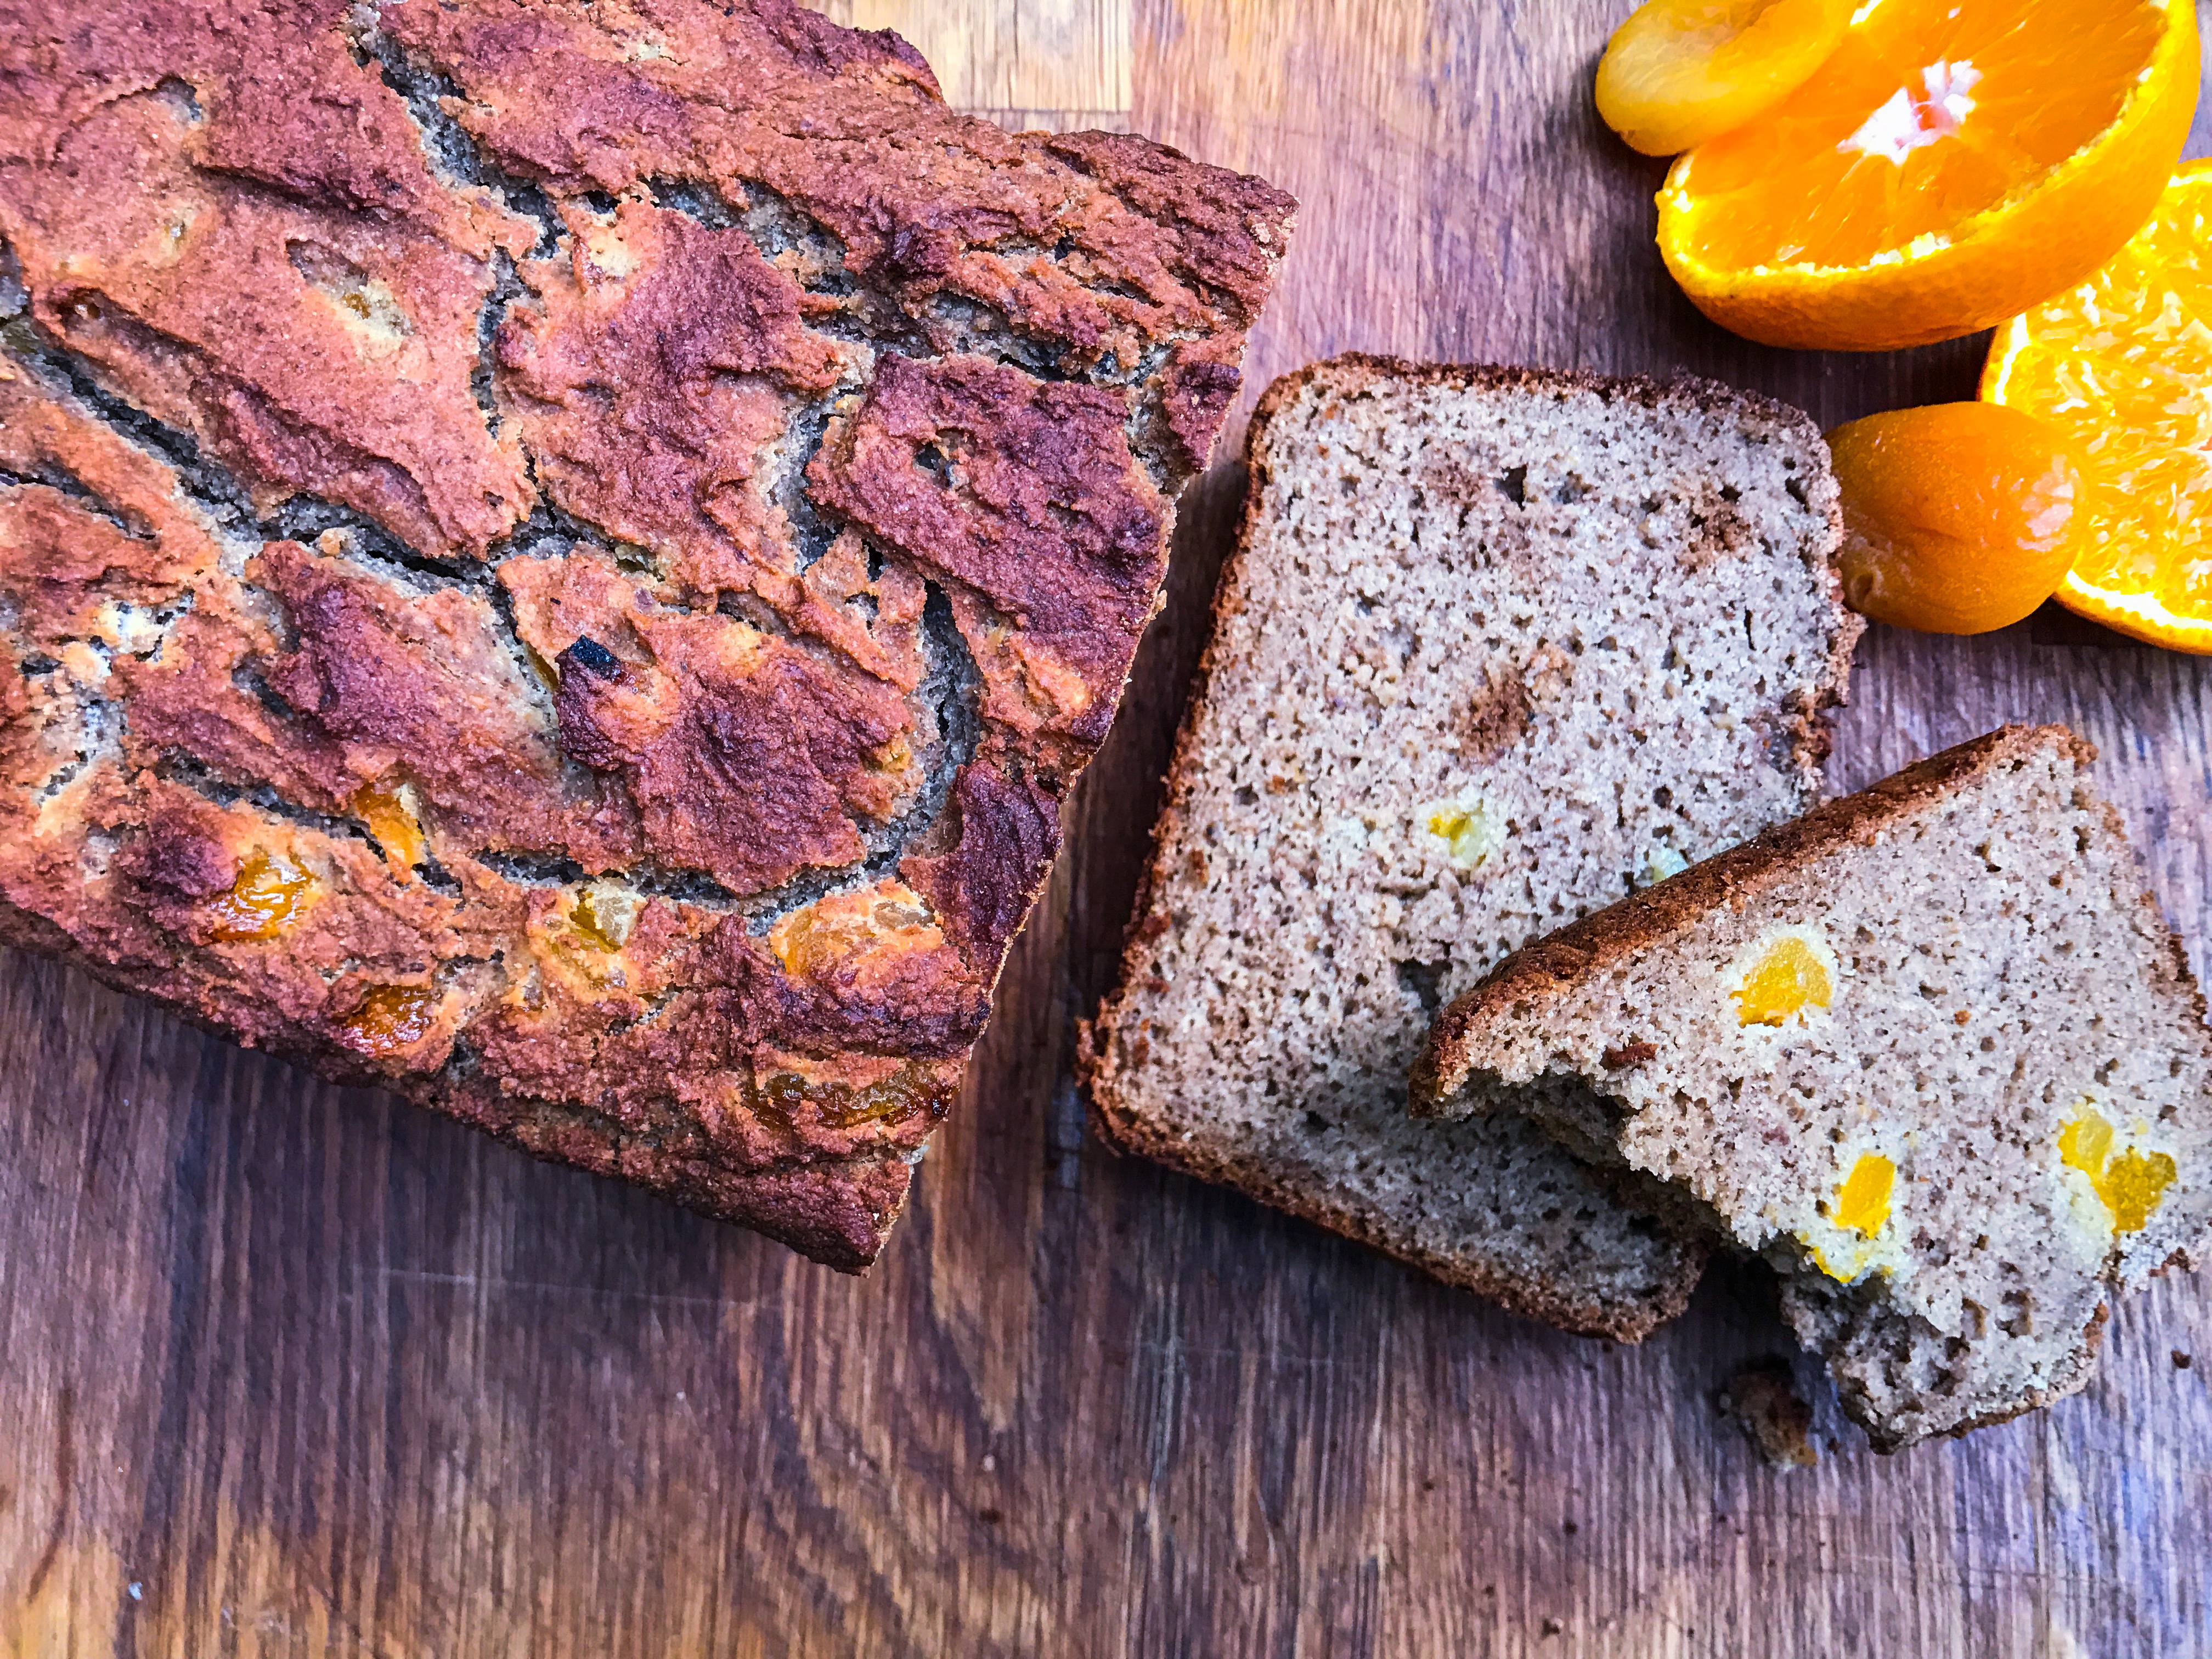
(1584, 1252)
(563, 558)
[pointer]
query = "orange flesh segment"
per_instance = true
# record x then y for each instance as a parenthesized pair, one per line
(2124, 362)
(267, 896)
(2130, 1186)
(1928, 113)
(1862, 1202)
(1782, 982)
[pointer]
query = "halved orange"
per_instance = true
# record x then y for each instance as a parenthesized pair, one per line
(1679, 72)
(2124, 364)
(1953, 162)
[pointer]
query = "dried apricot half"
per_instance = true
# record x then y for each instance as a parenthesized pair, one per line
(1679, 72)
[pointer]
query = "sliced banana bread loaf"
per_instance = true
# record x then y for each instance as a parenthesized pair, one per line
(1497, 646)
(1931, 1047)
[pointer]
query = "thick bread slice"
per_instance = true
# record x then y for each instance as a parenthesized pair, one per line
(2001, 1115)
(1496, 646)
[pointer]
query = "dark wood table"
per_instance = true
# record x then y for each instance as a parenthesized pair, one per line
(288, 1369)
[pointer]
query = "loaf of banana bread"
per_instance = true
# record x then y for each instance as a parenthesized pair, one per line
(564, 557)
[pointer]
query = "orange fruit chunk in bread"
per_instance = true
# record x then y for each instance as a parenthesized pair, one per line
(1863, 1201)
(389, 815)
(1788, 976)
(265, 898)
(2131, 1185)
(393, 1016)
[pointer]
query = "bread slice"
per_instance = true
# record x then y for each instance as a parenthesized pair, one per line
(1991, 1112)
(563, 558)
(1496, 646)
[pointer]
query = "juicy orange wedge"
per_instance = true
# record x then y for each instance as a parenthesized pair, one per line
(1958, 518)
(1951, 163)
(2124, 364)
(1679, 72)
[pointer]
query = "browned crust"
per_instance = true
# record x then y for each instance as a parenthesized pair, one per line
(1554, 964)
(2075, 1378)
(2085, 1361)
(835, 1213)
(1119, 1121)
(2072, 1381)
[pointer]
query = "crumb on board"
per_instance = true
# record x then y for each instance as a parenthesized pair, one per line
(1764, 1401)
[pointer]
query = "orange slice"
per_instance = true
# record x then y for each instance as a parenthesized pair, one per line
(1958, 518)
(2124, 364)
(1953, 162)
(1679, 72)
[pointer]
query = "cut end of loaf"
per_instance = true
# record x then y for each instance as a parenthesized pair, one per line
(1497, 646)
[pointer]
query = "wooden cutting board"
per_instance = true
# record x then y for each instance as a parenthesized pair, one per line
(288, 1370)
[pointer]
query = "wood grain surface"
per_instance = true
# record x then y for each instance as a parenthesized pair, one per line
(1059, 65)
(289, 1370)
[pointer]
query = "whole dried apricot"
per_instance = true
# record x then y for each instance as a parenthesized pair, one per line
(1958, 518)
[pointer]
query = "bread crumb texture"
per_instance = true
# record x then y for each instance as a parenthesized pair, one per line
(1499, 647)
(564, 557)
(1999, 1117)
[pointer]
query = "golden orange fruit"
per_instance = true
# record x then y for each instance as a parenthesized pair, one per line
(2123, 365)
(1787, 978)
(2130, 1186)
(1679, 72)
(1863, 1201)
(1951, 163)
(392, 1017)
(1958, 518)
(267, 896)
